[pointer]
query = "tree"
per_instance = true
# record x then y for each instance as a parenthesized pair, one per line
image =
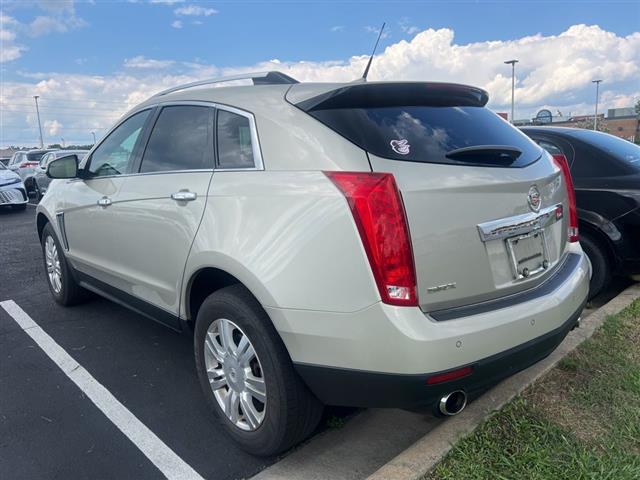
(638, 108)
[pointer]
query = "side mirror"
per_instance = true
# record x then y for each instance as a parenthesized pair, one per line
(63, 167)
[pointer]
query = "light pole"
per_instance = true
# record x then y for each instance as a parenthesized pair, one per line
(595, 117)
(35, 97)
(513, 85)
(94, 137)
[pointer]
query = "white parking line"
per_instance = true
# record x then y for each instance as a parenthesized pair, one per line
(165, 459)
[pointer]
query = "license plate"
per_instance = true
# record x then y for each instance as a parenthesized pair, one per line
(528, 254)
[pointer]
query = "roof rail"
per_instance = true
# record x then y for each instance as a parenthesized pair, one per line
(259, 78)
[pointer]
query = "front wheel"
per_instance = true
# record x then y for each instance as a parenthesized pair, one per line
(247, 376)
(62, 285)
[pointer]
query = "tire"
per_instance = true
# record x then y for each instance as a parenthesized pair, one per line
(290, 412)
(37, 195)
(66, 291)
(19, 207)
(600, 264)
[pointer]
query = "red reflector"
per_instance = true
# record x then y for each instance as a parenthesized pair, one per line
(452, 375)
(378, 212)
(561, 161)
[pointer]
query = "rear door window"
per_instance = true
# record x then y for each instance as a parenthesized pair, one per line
(235, 144)
(181, 139)
(431, 134)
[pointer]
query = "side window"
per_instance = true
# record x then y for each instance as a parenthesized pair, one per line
(114, 155)
(550, 147)
(45, 159)
(180, 140)
(235, 149)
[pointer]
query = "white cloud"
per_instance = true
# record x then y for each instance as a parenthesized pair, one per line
(376, 30)
(337, 28)
(195, 10)
(9, 50)
(406, 27)
(42, 25)
(554, 72)
(142, 62)
(52, 127)
(176, 24)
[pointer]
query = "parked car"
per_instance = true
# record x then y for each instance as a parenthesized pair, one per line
(383, 244)
(5, 160)
(12, 191)
(23, 162)
(37, 182)
(606, 176)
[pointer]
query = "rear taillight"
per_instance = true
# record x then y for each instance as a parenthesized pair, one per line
(561, 161)
(28, 164)
(379, 214)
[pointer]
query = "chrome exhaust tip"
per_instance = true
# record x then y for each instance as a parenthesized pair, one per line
(452, 403)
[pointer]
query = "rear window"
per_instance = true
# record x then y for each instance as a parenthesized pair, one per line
(626, 153)
(429, 134)
(35, 157)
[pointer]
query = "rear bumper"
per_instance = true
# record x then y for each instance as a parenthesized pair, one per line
(371, 389)
(382, 355)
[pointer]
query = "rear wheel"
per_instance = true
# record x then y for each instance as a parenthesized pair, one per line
(62, 285)
(247, 376)
(600, 264)
(37, 194)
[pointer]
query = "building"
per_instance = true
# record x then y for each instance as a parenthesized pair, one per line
(621, 122)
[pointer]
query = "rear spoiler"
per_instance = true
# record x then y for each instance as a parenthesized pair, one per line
(393, 94)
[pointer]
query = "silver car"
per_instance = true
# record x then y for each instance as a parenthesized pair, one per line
(37, 182)
(383, 244)
(23, 162)
(12, 191)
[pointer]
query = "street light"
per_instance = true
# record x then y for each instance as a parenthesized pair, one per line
(595, 117)
(94, 137)
(513, 84)
(35, 97)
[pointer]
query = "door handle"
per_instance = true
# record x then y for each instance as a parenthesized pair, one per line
(184, 196)
(104, 202)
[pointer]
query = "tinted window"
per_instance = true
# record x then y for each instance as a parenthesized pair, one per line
(114, 156)
(180, 140)
(428, 133)
(235, 149)
(624, 152)
(35, 157)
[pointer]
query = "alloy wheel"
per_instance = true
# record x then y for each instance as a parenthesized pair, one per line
(54, 271)
(235, 374)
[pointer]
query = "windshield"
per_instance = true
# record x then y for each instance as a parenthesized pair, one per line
(455, 135)
(620, 149)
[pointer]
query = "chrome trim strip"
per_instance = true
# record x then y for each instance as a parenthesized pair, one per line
(63, 230)
(520, 224)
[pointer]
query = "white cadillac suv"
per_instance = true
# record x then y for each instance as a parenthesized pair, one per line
(378, 244)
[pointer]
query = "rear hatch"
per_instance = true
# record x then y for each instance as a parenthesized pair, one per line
(486, 206)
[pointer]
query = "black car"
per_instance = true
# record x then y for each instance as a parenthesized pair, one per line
(606, 178)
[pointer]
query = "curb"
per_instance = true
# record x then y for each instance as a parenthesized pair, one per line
(422, 456)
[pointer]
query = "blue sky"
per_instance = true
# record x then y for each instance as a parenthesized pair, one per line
(117, 52)
(247, 32)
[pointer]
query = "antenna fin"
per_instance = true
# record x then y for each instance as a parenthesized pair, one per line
(366, 70)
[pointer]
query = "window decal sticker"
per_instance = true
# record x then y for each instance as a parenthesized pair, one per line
(401, 147)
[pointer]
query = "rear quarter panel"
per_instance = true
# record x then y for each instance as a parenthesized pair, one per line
(289, 237)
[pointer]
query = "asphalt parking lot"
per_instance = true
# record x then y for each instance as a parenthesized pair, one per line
(50, 429)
